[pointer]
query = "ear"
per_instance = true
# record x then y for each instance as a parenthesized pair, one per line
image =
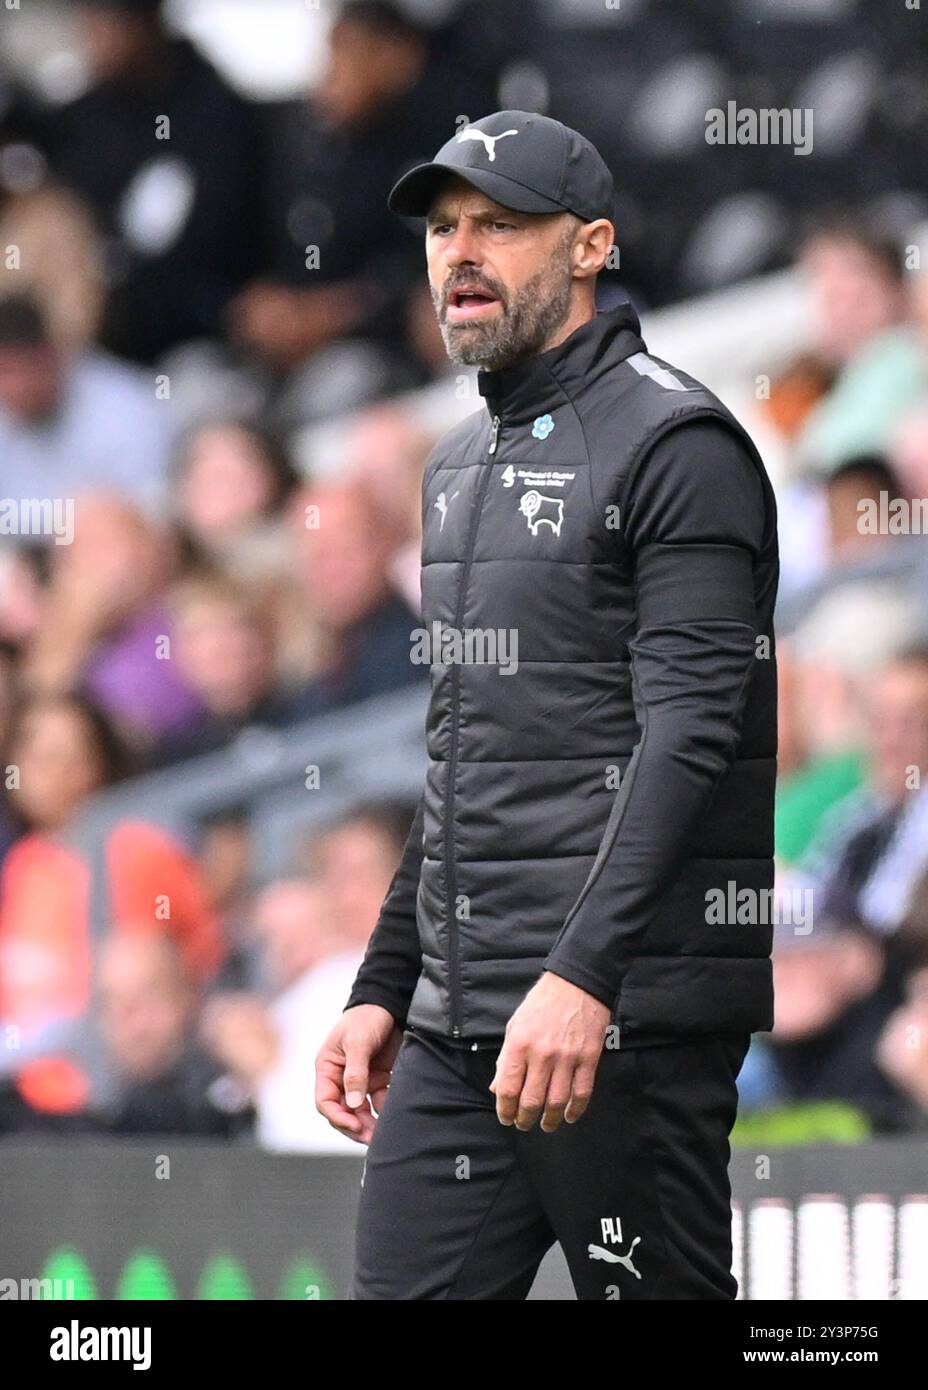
(592, 246)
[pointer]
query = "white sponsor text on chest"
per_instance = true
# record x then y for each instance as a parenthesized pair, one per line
(533, 477)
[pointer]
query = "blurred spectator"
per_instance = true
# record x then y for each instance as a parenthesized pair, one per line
(232, 481)
(105, 626)
(908, 450)
(55, 898)
(902, 1052)
(223, 645)
(912, 931)
(387, 453)
(852, 484)
(293, 931)
(255, 1036)
(167, 1084)
(58, 257)
(344, 549)
(868, 853)
(833, 998)
(824, 669)
(225, 855)
(168, 158)
(856, 281)
(24, 574)
(314, 933)
(9, 694)
(384, 103)
(73, 422)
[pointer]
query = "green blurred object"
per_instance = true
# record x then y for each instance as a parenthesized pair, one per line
(883, 380)
(68, 1269)
(804, 798)
(304, 1283)
(814, 1122)
(145, 1276)
(224, 1279)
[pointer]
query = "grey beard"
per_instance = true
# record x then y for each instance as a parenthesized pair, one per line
(521, 330)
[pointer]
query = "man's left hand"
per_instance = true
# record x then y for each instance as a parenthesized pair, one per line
(550, 1054)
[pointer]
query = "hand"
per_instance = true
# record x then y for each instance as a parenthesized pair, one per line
(353, 1070)
(549, 1058)
(287, 325)
(239, 1032)
(898, 1059)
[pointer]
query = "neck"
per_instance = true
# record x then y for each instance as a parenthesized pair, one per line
(578, 316)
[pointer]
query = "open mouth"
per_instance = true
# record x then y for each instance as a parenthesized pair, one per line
(470, 302)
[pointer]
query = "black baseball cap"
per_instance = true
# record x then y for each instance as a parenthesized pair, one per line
(522, 161)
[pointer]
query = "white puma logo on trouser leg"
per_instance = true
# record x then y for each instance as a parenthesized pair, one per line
(597, 1252)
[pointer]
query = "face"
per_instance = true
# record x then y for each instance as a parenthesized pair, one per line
(294, 927)
(356, 863)
(145, 1004)
(843, 497)
(29, 381)
(227, 483)
(58, 765)
(853, 295)
(224, 654)
(501, 281)
(364, 70)
(118, 558)
(388, 453)
(898, 711)
(344, 560)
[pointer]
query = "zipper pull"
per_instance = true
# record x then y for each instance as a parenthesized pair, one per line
(494, 435)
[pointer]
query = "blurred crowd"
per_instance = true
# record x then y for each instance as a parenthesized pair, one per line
(180, 567)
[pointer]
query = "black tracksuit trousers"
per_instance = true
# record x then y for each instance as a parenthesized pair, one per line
(455, 1205)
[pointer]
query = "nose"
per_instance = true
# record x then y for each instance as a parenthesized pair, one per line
(462, 249)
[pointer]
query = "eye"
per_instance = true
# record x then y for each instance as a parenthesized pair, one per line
(503, 226)
(440, 228)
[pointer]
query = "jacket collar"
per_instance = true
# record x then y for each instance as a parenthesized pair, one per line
(530, 387)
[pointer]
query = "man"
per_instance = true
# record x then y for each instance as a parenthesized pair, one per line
(165, 1081)
(378, 108)
(168, 159)
(72, 422)
(858, 287)
(343, 567)
(61, 261)
(559, 1015)
(870, 866)
(312, 931)
(224, 650)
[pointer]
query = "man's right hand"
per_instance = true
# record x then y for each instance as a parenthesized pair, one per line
(353, 1070)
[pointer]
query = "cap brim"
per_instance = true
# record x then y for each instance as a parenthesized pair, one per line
(415, 192)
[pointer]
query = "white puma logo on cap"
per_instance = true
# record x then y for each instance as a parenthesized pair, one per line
(471, 133)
